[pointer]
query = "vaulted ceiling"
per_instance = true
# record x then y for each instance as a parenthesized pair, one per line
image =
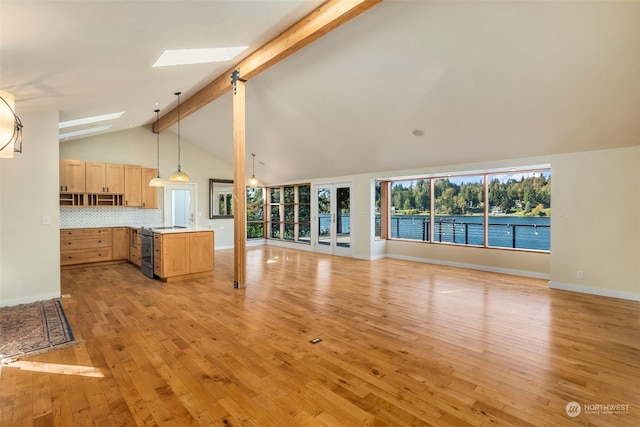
(482, 80)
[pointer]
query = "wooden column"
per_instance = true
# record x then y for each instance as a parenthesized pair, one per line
(239, 187)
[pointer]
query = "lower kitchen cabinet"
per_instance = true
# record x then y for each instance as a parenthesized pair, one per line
(120, 243)
(85, 245)
(180, 256)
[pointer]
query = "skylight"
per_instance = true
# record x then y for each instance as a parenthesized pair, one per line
(89, 120)
(84, 131)
(198, 56)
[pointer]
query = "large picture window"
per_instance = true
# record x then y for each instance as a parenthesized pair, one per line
(504, 210)
(520, 210)
(410, 209)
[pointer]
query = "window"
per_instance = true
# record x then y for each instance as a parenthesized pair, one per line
(459, 210)
(255, 213)
(505, 210)
(290, 213)
(520, 210)
(410, 209)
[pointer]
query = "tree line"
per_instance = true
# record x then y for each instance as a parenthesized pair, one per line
(527, 196)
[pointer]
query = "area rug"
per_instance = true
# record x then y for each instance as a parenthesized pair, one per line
(29, 329)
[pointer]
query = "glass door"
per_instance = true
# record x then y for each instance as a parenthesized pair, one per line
(332, 219)
(180, 204)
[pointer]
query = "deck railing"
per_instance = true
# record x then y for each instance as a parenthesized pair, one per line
(507, 235)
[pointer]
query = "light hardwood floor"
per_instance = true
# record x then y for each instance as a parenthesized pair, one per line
(403, 343)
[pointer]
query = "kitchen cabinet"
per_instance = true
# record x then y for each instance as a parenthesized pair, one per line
(132, 185)
(72, 176)
(91, 184)
(200, 252)
(104, 178)
(85, 245)
(179, 256)
(120, 243)
(134, 246)
(149, 194)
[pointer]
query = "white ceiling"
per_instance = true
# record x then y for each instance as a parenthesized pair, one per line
(483, 80)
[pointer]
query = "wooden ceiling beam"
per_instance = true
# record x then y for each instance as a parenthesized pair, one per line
(327, 17)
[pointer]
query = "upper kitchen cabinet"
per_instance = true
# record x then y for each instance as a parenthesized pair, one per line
(72, 176)
(104, 178)
(132, 185)
(149, 194)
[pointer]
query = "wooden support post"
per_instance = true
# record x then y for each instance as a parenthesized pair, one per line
(239, 187)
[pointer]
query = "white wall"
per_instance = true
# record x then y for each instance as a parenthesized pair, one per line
(29, 250)
(596, 222)
(138, 146)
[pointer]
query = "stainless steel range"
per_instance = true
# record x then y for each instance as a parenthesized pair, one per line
(146, 252)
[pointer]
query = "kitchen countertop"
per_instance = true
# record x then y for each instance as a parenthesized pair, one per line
(155, 228)
(170, 230)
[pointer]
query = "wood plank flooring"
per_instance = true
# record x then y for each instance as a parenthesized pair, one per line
(403, 344)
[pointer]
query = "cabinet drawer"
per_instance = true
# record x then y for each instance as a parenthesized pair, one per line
(85, 233)
(67, 243)
(85, 256)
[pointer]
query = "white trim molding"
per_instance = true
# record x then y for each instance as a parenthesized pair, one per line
(594, 291)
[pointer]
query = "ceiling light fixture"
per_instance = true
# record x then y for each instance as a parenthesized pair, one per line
(10, 127)
(157, 181)
(253, 181)
(179, 176)
(197, 56)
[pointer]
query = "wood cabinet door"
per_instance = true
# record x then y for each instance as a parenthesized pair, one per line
(149, 194)
(94, 178)
(72, 176)
(132, 187)
(120, 243)
(114, 178)
(175, 254)
(201, 251)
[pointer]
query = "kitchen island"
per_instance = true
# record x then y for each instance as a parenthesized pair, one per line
(181, 253)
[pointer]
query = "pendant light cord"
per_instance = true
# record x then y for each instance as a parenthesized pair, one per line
(158, 141)
(178, 93)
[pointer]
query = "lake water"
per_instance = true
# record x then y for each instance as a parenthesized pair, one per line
(504, 231)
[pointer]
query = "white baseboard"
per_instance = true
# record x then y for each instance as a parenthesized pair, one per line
(30, 299)
(594, 291)
(474, 267)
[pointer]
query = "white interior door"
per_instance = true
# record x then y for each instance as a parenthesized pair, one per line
(180, 204)
(332, 219)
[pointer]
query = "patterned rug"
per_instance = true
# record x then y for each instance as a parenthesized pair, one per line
(29, 329)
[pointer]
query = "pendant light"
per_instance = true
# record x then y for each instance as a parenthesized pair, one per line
(179, 176)
(157, 181)
(253, 181)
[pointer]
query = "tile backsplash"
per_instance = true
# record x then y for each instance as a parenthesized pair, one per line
(106, 216)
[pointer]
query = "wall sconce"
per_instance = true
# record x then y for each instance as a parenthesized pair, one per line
(10, 127)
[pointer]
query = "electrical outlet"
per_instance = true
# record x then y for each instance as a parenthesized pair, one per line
(580, 275)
